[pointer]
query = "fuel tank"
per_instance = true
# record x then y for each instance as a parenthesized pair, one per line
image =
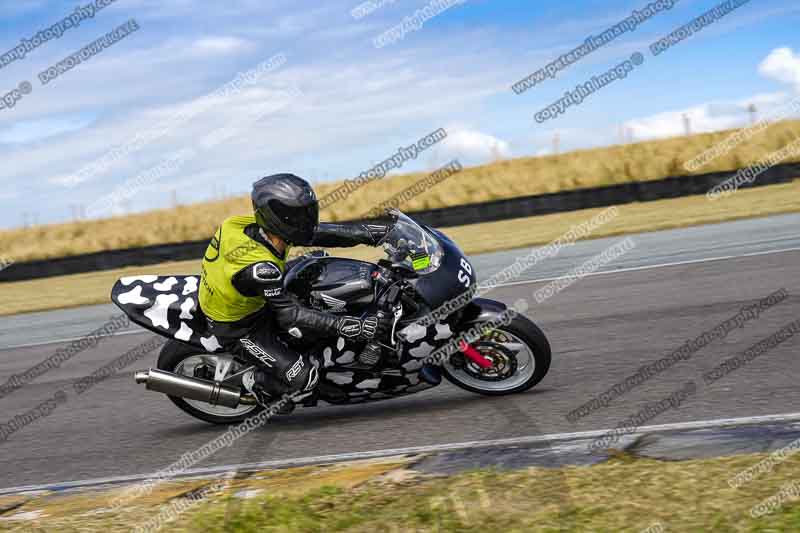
(333, 284)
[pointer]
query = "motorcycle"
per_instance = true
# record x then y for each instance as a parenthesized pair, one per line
(415, 286)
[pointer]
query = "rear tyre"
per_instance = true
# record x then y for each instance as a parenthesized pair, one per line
(183, 359)
(516, 368)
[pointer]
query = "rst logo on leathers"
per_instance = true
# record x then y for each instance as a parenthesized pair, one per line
(293, 372)
(257, 351)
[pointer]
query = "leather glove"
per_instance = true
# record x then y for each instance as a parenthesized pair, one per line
(359, 328)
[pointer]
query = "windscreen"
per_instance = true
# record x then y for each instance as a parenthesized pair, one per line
(409, 244)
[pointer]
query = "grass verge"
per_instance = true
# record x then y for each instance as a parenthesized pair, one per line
(504, 179)
(621, 495)
(94, 287)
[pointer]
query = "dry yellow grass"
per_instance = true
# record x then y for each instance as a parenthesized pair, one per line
(92, 288)
(504, 179)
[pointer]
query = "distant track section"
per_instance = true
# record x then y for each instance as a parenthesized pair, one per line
(524, 206)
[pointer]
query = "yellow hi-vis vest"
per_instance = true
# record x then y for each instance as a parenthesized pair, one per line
(230, 251)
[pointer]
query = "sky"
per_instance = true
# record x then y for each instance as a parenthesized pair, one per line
(335, 104)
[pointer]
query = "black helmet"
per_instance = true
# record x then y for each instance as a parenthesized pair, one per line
(285, 205)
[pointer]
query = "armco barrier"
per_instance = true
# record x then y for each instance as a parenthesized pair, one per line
(624, 193)
(142, 256)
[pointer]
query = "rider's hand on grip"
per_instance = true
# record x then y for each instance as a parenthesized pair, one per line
(369, 326)
(353, 327)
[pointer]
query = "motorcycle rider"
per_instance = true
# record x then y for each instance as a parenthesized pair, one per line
(241, 289)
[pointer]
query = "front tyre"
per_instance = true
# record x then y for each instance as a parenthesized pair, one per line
(184, 360)
(520, 354)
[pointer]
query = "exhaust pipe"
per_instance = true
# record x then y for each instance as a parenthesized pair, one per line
(189, 387)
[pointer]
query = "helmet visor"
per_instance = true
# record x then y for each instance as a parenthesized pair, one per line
(298, 221)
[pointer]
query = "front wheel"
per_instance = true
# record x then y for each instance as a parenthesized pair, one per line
(520, 356)
(182, 359)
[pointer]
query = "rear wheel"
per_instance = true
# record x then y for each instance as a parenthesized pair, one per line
(520, 356)
(186, 360)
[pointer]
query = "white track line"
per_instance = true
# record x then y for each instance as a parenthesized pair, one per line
(393, 452)
(651, 267)
(511, 284)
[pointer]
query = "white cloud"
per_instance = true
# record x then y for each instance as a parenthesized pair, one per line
(387, 102)
(704, 118)
(220, 45)
(471, 146)
(782, 65)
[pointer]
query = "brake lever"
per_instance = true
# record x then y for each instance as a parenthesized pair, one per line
(398, 312)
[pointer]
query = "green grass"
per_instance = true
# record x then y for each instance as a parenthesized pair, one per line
(623, 494)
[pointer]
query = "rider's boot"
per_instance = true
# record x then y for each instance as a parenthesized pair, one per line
(263, 383)
(431, 374)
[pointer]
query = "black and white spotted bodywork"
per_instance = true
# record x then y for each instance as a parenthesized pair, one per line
(356, 386)
(168, 305)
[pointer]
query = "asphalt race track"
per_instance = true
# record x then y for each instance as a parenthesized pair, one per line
(672, 287)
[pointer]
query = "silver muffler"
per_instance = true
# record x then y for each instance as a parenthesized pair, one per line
(189, 387)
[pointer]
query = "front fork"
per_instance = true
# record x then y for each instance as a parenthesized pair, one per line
(474, 355)
(478, 311)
